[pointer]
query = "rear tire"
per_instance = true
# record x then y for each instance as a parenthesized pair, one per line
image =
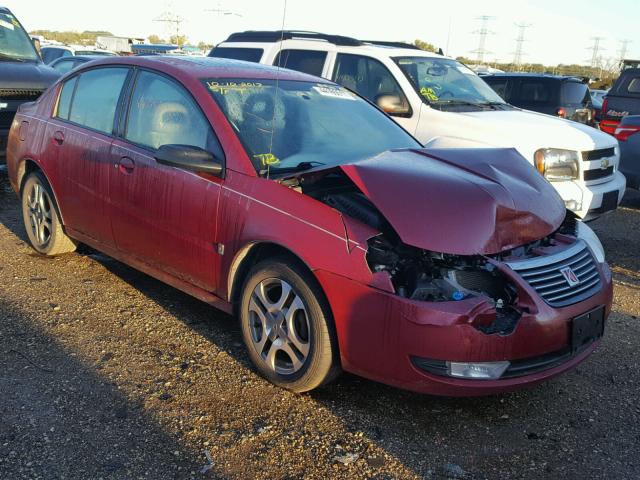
(41, 219)
(287, 326)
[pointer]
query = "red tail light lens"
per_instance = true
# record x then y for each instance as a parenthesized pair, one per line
(623, 132)
(609, 126)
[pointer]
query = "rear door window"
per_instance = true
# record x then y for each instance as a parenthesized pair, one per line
(367, 76)
(306, 61)
(163, 112)
(574, 93)
(535, 91)
(96, 98)
(246, 54)
(499, 85)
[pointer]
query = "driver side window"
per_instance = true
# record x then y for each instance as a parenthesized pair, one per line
(368, 77)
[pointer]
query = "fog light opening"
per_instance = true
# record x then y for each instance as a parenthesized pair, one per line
(477, 370)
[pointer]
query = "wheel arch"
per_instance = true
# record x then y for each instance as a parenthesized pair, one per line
(29, 165)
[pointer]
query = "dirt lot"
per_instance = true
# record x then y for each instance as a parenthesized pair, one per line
(107, 373)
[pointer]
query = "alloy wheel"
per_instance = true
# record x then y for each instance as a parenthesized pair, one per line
(40, 214)
(279, 326)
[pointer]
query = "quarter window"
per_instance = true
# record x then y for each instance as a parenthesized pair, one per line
(64, 101)
(96, 98)
(163, 113)
(634, 85)
(306, 61)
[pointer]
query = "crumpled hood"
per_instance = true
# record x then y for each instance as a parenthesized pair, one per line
(460, 201)
(27, 75)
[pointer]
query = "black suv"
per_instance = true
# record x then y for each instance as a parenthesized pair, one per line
(23, 75)
(565, 97)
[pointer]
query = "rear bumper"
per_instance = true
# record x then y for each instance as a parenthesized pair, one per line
(381, 334)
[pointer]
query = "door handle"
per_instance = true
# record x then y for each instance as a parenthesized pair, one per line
(126, 165)
(58, 137)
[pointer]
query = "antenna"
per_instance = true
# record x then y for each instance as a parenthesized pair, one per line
(275, 101)
(171, 19)
(517, 56)
(481, 51)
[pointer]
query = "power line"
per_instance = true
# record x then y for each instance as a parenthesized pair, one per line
(517, 56)
(481, 51)
(171, 20)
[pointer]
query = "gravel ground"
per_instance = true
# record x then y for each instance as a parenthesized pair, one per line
(107, 373)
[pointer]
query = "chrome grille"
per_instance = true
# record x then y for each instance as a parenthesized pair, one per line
(545, 276)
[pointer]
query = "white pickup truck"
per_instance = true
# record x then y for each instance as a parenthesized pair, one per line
(445, 104)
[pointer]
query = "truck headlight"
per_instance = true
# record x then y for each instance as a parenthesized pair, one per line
(556, 164)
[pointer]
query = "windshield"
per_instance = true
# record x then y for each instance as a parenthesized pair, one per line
(446, 81)
(14, 41)
(301, 125)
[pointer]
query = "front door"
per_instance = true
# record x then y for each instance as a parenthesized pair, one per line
(164, 216)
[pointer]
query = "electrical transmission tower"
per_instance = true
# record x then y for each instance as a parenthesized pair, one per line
(517, 55)
(624, 45)
(595, 49)
(481, 51)
(171, 20)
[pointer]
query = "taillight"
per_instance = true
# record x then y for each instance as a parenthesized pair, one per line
(623, 132)
(609, 126)
(561, 112)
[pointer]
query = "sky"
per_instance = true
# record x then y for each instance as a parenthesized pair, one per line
(561, 31)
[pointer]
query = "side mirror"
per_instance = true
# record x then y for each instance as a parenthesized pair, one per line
(190, 158)
(393, 105)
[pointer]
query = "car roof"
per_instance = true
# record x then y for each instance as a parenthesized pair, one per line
(4, 10)
(264, 39)
(208, 67)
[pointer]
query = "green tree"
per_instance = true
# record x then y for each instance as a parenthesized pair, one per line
(422, 45)
(178, 40)
(156, 39)
(205, 47)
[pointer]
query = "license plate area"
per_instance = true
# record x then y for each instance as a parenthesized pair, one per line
(587, 328)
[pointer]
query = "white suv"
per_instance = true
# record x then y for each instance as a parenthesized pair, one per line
(445, 104)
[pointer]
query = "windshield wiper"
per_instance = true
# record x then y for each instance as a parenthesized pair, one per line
(10, 58)
(297, 168)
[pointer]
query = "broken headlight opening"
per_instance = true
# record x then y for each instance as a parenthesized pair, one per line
(427, 276)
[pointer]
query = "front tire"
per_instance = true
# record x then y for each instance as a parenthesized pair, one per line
(287, 326)
(41, 219)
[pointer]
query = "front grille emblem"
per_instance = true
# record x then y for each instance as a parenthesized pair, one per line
(570, 276)
(604, 164)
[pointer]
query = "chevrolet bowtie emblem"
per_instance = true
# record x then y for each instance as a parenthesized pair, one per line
(604, 163)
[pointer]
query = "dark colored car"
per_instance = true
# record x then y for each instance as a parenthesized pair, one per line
(66, 64)
(628, 134)
(623, 99)
(338, 241)
(23, 76)
(565, 97)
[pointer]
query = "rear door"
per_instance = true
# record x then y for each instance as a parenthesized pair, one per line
(86, 113)
(165, 216)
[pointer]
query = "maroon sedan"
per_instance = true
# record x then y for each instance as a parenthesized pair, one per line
(304, 210)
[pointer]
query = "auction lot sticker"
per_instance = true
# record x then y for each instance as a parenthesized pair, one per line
(330, 91)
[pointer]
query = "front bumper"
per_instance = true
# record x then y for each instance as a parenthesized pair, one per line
(380, 333)
(591, 201)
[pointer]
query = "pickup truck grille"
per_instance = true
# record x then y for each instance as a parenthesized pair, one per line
(545, 275)
(598, 173)
(598, 154)
(24, 94)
